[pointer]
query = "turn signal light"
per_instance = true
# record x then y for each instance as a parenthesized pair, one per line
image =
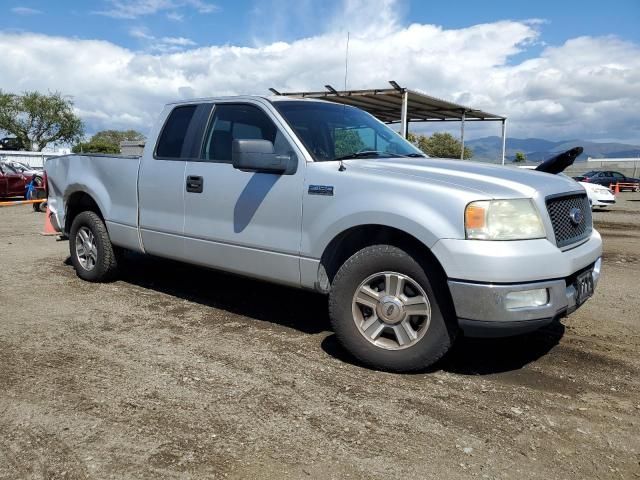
(474, 217)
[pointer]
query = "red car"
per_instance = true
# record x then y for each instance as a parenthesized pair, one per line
(13, 183)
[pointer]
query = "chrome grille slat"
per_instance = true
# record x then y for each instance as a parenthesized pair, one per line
(559, 208)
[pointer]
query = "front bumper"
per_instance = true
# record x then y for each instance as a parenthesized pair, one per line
(483, 312)
(603, 202)
(482, 274)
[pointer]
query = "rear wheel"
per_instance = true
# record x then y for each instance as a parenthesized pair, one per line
(92, 254)
(385, 312)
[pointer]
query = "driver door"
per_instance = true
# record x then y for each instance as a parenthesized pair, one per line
(244, 222)
(16, 182)
(3, 182)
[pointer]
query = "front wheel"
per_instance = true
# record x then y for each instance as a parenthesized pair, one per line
(92, 254)
(386, 313)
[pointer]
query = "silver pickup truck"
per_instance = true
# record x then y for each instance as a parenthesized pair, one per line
(411, 250)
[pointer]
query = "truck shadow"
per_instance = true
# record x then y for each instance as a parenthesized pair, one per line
(307, 312)
(293, 308)
(481, 356)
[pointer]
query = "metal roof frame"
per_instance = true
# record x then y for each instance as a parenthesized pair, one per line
(402, 105)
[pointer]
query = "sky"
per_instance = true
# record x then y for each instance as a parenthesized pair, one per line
(557, 69)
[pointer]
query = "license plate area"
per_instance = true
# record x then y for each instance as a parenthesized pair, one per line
(584, 287)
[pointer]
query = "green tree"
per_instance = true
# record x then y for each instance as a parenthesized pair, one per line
(116, 136)
(107, 141)
(520, 157)
(37, 119)
(347, 142)
(441, 145)
(99, 146)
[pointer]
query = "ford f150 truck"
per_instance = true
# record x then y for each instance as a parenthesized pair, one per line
(411, 250)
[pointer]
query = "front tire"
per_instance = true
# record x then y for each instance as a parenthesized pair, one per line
(386, 313)
(92, 253)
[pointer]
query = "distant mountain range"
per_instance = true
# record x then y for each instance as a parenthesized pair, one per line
(538, 149)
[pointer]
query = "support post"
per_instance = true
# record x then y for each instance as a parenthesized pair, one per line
(462, 135)
(404, 121)
(504, 138)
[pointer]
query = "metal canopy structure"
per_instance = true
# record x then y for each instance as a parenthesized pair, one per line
(402, 105)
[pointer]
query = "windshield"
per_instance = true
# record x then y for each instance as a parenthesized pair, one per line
(8, 168)
(336, 132)
(17, 166)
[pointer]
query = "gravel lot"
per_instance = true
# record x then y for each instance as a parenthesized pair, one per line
(179, 372)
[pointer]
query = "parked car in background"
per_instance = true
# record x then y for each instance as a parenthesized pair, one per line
(608, 178)
(11, 143)
(599, 195)
(24, 168)
(13, 182)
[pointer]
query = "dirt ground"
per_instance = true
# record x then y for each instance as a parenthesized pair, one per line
(179, 372)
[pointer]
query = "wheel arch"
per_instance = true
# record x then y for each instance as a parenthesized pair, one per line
(349, 241)
(77, 202)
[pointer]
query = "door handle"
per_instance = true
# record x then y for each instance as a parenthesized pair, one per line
(194, 184)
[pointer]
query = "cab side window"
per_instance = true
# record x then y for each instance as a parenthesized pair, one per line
(171, 141)
(230, 122)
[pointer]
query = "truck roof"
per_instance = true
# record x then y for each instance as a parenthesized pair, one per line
(269, 98)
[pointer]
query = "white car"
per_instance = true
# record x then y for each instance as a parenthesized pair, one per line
(599, 196)
(22, 168)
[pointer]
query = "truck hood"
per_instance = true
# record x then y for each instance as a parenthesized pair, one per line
(492, 181)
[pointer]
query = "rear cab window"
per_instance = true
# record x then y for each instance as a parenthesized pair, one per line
(171, 143)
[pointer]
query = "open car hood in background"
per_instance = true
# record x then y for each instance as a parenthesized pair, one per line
(560, 162)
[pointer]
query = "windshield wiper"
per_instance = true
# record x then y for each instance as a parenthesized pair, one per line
(416, 155)
(367, 153)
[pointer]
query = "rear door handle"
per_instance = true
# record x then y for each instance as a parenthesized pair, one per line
(194, 184)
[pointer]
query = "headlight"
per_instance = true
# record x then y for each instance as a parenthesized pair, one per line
(503, 220)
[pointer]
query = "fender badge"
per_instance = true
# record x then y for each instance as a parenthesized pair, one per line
(321, 190)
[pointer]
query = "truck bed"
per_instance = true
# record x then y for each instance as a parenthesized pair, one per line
(111, 180)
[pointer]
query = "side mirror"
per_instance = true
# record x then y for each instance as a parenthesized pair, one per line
(257, 156)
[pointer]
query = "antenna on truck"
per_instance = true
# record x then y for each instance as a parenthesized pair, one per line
(342, 166)
(346, 62)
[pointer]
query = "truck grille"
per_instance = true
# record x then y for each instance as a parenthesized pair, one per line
(568, 227)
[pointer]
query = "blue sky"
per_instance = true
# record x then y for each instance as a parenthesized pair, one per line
(557, 69)
(248, 22)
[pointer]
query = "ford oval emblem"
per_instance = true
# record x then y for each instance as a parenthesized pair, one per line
(576, 216)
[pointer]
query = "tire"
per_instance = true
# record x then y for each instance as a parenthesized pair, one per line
(102, 266)
(433, 334)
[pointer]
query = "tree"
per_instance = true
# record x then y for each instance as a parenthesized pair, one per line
(347, 142)
(37, 119)
(115, 137)
(99, 146)
(520, 157)
(107, 141)
(442, 145)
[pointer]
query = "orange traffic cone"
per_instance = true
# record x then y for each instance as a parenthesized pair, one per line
(48, 226)
(617, 189)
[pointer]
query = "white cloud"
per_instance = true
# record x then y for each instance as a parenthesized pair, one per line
(175, 16)
(178, 41)
(26, 11)
(132, 9)
(141, 33)
(588, 87)
(164, 44)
